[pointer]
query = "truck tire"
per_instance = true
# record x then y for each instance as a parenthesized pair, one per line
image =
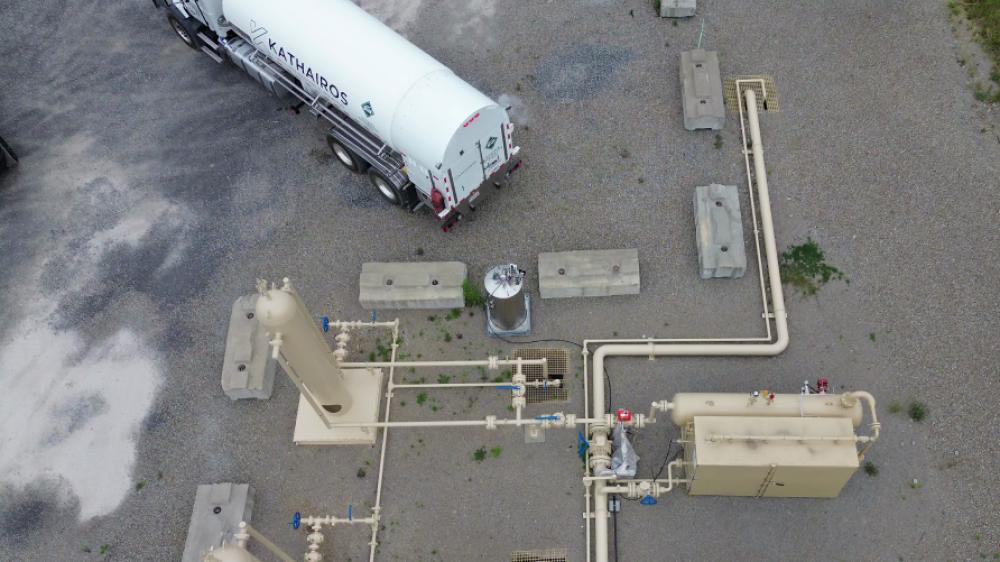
(185, 29)
(385, 188)
(346, 156)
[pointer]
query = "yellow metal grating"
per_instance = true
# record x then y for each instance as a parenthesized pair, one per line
(763, 86)
(557, 367)
(547, 555)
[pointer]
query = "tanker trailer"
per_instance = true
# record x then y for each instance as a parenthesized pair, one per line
(422, 135)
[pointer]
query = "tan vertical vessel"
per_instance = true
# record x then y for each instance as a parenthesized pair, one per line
(332, 398)
(301, 349)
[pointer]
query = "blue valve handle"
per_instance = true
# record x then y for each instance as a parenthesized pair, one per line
(550, 417)
(581, 444)
(296, 520)
(350, 512)
(648, 500)
(507, 387)
(326, 323)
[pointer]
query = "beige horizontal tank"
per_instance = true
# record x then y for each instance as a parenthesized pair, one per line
(687, 405)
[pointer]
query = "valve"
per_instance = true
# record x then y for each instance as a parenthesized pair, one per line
(822, 385)
(325, 322)
(296, 520)
(581, 444)
(624, 415)
(648, 500)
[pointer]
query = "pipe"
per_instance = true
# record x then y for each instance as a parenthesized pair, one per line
(659, 406)
(377, 508)
(502, 385)
(633, 489)
(491, 422)
(491, 363)
(650, 349)
(332, 521)
(851, 398)
(247, 530)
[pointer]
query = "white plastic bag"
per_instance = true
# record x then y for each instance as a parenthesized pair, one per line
(624, 460)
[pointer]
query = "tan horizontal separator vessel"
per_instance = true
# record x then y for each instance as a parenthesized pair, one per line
(686, 405)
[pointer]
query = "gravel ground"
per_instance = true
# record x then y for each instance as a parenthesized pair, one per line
(155, 186)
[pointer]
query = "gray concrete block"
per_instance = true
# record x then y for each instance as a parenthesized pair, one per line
(247, 368)
(701, 83)
(719, 231)
(677, 8)
(588, 273)
(218, 510)
(412, 285)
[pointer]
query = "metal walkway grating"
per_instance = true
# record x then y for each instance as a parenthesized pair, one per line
(547, 555)
(557, 367)
(763, 86)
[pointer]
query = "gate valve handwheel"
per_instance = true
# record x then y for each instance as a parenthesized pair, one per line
(296, 520)
(822, 385)
(648, 500)
(624, 415)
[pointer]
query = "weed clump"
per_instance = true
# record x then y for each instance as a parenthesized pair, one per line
(917, 411)
(473, 296)
(804, 267)
(871, 469)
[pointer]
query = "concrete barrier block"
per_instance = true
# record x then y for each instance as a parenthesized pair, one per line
(247, 368)
(677, 8)
(394, 285)
(588, 273)
(216, 516)
(719, 231)
(701, 83)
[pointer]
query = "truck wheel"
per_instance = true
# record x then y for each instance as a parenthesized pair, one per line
(187, 33)
(385, 188)
(346, 156)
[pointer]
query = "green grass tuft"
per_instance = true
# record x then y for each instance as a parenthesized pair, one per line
(895, 407)
(421, 398)
(917, 410)
(871, 469)
(473, 295)
(804, 267)
(985, 18)
(479, 455)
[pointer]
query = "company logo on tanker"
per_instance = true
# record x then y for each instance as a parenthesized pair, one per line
(307, 71)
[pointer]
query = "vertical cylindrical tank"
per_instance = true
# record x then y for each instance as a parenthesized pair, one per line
(306, 356)
(506, 297)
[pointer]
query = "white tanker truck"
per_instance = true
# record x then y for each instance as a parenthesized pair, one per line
(422, 135)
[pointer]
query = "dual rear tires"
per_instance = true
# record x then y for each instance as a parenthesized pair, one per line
(385, 188)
